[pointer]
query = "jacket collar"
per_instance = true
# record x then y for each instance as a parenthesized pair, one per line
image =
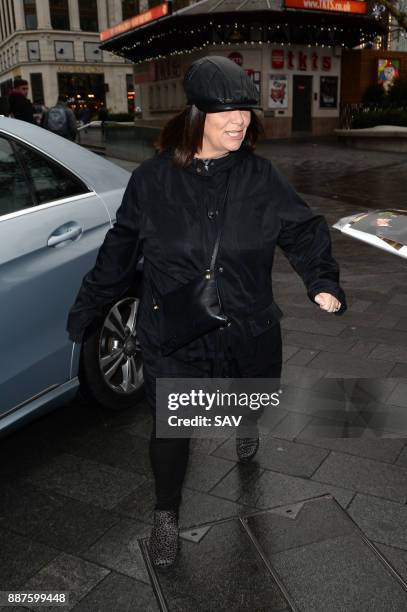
(209, 167)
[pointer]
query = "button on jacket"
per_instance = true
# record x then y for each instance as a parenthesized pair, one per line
(170, 215)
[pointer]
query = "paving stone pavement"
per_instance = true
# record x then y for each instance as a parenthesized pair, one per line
(76, 485)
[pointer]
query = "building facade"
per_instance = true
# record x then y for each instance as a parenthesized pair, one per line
(54, 45)
(292, 49)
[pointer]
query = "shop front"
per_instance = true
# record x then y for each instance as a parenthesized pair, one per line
(293, 56)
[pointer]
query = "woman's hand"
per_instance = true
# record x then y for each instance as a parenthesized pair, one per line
(327, 302)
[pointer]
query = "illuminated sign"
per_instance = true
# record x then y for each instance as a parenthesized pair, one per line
(341, 6)
(161, 10)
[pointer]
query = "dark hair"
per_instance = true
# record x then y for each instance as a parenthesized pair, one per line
(18, 82)
(184, 133)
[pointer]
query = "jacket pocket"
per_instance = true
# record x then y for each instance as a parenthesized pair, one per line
(261, 321)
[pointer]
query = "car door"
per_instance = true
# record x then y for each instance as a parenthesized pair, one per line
(51, 227)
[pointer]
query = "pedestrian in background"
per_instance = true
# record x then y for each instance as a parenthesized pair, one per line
(61, 120)
(20, 107)
(206, 183)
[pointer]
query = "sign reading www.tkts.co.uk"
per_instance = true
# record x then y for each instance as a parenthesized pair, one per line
(342, 6)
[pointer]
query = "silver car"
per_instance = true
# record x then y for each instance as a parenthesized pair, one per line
(57, 201)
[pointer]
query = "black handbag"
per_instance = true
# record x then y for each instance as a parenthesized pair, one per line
(194, 309)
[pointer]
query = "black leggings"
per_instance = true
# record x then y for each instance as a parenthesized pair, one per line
(169, 456)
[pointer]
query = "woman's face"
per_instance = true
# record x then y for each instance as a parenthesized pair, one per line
(224, 131)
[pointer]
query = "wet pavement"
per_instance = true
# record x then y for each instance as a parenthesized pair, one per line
(76, 486)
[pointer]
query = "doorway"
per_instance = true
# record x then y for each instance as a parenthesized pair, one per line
(302, 88)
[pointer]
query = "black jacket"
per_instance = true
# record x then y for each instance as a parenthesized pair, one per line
(21, 107)
(169, 215)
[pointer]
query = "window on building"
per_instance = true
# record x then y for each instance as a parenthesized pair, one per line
(64, 50)
(92, 52)
(59, 14)
(130, 8)
(13, 16)
(14, 192)
(152, 3)
(88, 15)
(33, 50)
(30, 14)
(130, 93)
(6, 10)
(37, 88)
(17, 53)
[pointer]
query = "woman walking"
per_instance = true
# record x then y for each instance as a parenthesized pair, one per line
(207, 207)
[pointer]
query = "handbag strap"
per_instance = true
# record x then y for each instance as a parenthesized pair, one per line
(220, 228)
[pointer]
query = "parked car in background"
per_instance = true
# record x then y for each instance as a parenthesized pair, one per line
(57, 201)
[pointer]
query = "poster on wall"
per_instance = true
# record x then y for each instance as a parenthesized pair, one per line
(278, 91)
(328, 92)
(388, 70)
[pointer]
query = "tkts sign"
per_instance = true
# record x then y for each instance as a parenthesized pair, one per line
(299, 60)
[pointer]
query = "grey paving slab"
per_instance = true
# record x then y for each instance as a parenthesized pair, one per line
(221, 572)
(318, 342)
(402, 458)
(238, 481)
(396, 557)
(69, 574)
(119, 550)
(20, 558)
(399, 370)
(119, 449)
(302, 357)
(387, 352)
(352, 439)
(326, 328)
(364, 475)
(398, 396)
(195, 508)
(85, 480)
(292, 424)
(289, 351)
(381, 520)
(337, 575)
(272, 489)
(386, 417)
(300, 524)
(399, 298)
(301, 376)
(376, 334)
(205, 471)
(281, 455)
(350, 364)
(117, 593)
(362, 348)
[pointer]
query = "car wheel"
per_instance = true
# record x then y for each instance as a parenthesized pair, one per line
(111, 370)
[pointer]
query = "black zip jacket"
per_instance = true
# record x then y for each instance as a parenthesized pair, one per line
(170, 214)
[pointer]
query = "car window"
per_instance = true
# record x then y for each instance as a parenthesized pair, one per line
(50, 181)
(14, 192)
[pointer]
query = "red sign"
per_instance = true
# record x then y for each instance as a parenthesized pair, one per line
(341, 6)
(300, 60)
(135, 22)
(236, 57)
(277, 58)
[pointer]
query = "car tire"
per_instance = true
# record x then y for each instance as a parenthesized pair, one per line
(111, 370)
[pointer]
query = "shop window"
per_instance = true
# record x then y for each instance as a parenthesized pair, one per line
(130, 8)
(59, 14)
(37, 88)
(82, 89)
(88, 15)
(92, 52)
(64, 50)
(33, 50)
(328, 92)
(30, 15)
(158, 97)
(174, 95)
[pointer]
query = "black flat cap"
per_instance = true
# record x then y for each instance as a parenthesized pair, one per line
(216, 84)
